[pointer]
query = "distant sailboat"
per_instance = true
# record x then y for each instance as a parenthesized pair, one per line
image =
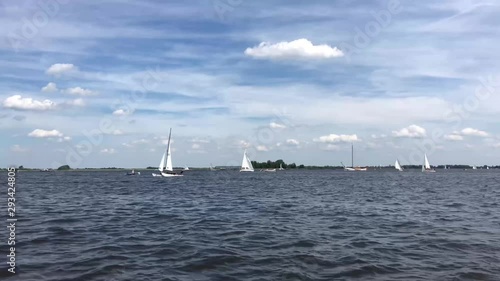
(165, 167)
(246, 164)
(186, 168)
(426, 167)
(474, 168)
(352, 168)
(398, 166)
(133, 173)
(281, 167)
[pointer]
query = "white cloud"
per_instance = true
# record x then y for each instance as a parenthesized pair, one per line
(121, 112)
(51, 87)
(292, 142)
(331, 147)
(117, 132)
(412, 131)
(136, 142)
(18, 148)
(76, 102)
(244, 144)
(64, 139)
(301, 48)
(333, 138)
(262, 148)
(474, 132)
(39, 133)
(79, 91)
(18, 102)
(60, 68)
(454, 137)
(108, 150)
(274, 125)
(200, 140)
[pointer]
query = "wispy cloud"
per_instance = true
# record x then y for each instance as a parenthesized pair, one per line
(20, 103)
(333, 138)
(412, 131)
(61, 68)
(50, 88)
(474, 132)
(297, 49)
(40, 133)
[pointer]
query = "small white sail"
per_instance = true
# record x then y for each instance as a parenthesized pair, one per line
(246, 164)
(169, 166)
(398, 166)
(281, 167)
(426, 163)
(166, 167)
(161, 167)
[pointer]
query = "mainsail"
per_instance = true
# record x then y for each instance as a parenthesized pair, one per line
(246, 164)
(426, 163)
(169, 155)
(398, 166)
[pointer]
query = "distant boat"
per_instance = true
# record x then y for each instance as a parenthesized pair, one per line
(186, 168)
(426, 167)
(269, 170)
(487, 167)
(212, 167)
(281, 167)
(246, 164)
(398, 166)
(133, 173)
(352, 168)
(165, 167)
(474, 168)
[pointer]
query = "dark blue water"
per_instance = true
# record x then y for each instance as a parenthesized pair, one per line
(226, 225)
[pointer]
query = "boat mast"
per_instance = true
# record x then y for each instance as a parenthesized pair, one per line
(352, 155)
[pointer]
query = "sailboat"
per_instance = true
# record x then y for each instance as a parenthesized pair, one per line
(165, 167)
(281, 167)
(186, 168)
(398, 166)
(352, 168)
(246, 164)
(426, 167)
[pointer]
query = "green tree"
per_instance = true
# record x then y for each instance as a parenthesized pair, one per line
(64, 167)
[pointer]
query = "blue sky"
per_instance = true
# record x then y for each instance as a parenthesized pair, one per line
(98, 84)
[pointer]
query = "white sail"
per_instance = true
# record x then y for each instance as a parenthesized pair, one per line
(166, 168)
(161, 167)
(249, 163)
(398, 166)
(246, 164)
(169, 166)
(427, 165)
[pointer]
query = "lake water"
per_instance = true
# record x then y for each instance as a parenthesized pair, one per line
(226, 225)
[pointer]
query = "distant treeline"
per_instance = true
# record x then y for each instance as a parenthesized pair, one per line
(275, 164)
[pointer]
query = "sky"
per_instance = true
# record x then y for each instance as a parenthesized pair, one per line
(100, 83)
